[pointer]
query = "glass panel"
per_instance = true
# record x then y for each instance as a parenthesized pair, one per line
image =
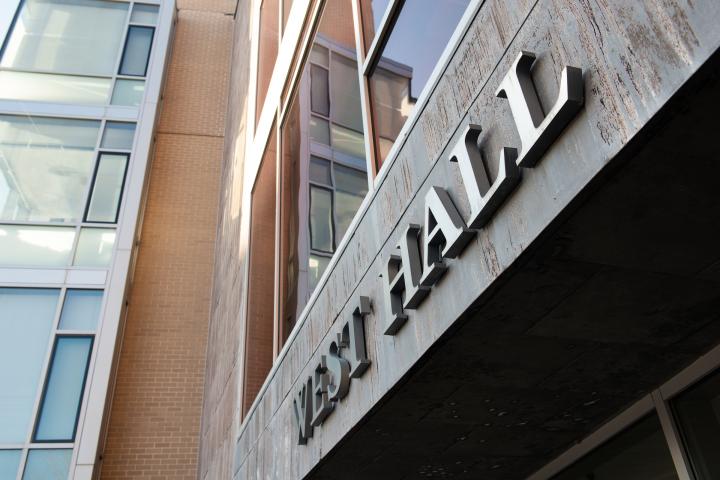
(72, 36)
(320, 171)
(50, 464)
(346, 93)
(144, 14)
(316, 268)
(319, 55)
(105, 197)
(638, 452)
(25, 245)
(319, 130)
(418, 38)
(372, 13)
(137, 51)
(45, 167)
(321, 219)
(61, 400)
(95, 247)
(81, 310)
(26, 320)
(348, 141)
(9, 463)
(698, 414)
(48, 87)
(128, 92)
(350, 189)
(319, 99)
(118, 135)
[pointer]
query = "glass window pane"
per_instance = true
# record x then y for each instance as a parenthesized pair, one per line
(81, 310)
(319, 98)
(267, 50)
(348, 141)
(698, 414)
(66, 379)
(45, 167)
(72, 36)
(118, 135)
(319, 55)
(350, 181)
(321, 219)
(9, 463)
(25, 245)
(107, 190)
(372, 13)
(346, 206)
(638, 452)
(144, 14)
(419, 36)
(316, 268)
(319, 130)
(346, 93)
(26, 320)
(48, 464)
(137, 51)
(320, 171)
(95, 247)
(53, 88)
(128, 93)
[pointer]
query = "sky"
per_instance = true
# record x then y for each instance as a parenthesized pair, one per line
(7, 10)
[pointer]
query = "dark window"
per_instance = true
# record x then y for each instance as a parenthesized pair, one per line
(137, 51)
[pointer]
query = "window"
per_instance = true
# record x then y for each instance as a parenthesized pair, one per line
(95, 247)
(65, 51)
(60, 404)
(137, 51)
(48, 464)
(45, 167)
(638, 452)
(107, 188)
(267, 50)
(403, 61)
(698, 414)
(323, 176)
(26, 322)
(44, 350)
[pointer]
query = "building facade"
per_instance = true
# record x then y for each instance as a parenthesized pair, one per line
(527, 287)
(379, 239)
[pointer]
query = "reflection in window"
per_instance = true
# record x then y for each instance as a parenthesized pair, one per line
(267, 50)
(137, 51)
(54, 88)
(128, 93)
(147, 14)
(47, 464)
(639, 452)
(60, 405)
(323, 178)
(81, 310)
(9, 463)
(45, 167)
(417, 39)
(118, 135)
(372, 12)
(698, 414)
(107, 188)
(95, 247)
(30, 245)
(72, 37)
(26, 320)
(321, 219)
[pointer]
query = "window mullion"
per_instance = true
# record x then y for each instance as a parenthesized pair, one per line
(386, 25)
(672, 437)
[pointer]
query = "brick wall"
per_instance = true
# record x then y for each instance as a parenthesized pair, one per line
(154, 426)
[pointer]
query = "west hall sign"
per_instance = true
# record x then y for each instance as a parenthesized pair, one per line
(419, 259)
